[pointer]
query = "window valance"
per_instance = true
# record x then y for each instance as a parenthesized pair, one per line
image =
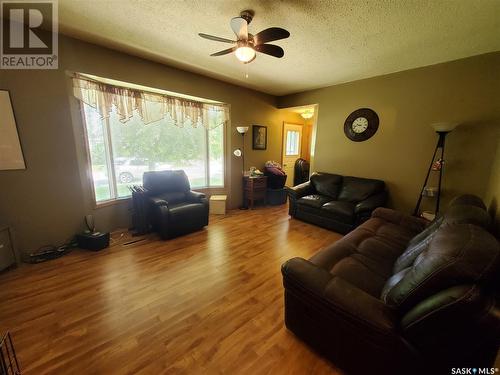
(150, 106)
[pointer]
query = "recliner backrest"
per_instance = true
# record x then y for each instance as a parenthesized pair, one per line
(457, 254)
(327, 183)
(357, 189)
(301, 171)
(160, 182)
(455, 249)
(465, 209)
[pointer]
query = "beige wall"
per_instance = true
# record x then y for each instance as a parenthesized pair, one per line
(466, 91)
(45, 203)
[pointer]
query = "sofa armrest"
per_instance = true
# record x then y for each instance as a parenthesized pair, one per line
(194, 196)
(441, 323)
(411, 222)
(365, 308)
(299, 191)
(371, 203)
(157, 202)
(338, 295)
(303, 274)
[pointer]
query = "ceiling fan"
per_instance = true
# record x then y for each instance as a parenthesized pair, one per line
(246, 44)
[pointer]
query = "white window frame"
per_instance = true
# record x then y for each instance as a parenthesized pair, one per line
(108, 145)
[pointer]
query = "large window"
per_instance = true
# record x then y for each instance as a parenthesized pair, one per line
(120, 152)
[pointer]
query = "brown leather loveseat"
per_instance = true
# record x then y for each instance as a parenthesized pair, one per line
(396, 296)
(336, 202)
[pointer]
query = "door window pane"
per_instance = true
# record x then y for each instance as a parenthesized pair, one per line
(292, 143)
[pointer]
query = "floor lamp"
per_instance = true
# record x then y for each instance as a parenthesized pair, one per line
(242, 130)
(241, 153)
(442, 129)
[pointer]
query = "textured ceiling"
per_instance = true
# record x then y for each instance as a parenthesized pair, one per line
(331, 41)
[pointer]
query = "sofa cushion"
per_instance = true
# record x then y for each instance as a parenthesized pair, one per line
(462, 214)
(314, 200)
(417, 245)
(342, 211)
(365, 257)
(360, 275)
(457, 254)
(468, 200)
(376, 238)
(183, 209)
(392, 281)
(356, 189)
(327, 184)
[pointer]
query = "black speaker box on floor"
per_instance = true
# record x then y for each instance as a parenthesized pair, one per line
(93, 241)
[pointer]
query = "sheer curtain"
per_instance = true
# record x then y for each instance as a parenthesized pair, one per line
(150, 106)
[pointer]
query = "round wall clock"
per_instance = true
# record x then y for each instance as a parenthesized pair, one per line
(361, 124)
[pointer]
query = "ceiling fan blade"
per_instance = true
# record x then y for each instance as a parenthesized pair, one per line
(270, 35)
(240, 27)
(224, 52)
(270, 49)
(216, 38)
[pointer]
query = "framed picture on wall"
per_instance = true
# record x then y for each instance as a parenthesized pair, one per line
(259, 137)
(11, 154)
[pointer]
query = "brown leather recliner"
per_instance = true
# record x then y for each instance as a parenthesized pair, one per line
(173, 208)
(397, 297)
(300, 171)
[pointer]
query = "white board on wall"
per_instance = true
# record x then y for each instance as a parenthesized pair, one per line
(11, 154)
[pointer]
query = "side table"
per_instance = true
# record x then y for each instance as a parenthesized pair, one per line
(254, 189)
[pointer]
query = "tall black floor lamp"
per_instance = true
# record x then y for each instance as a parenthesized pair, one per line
(442, 129)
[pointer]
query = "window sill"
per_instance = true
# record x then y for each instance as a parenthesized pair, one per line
(112, 202)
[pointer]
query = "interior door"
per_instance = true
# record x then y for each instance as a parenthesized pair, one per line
(292, 141)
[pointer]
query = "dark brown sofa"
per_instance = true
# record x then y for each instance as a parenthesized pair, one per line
(336, 202)
(395, 296)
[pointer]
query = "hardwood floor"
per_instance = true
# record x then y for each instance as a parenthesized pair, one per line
(207, 303)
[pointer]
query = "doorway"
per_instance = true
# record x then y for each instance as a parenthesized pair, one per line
(292, 147)
(298, 138)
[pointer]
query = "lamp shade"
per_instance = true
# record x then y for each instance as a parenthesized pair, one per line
(237, 153)
(242, 129)
(245, 54)
(444, 127)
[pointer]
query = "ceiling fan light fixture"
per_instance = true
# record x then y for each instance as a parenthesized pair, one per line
(245, 53)
(246, 45)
